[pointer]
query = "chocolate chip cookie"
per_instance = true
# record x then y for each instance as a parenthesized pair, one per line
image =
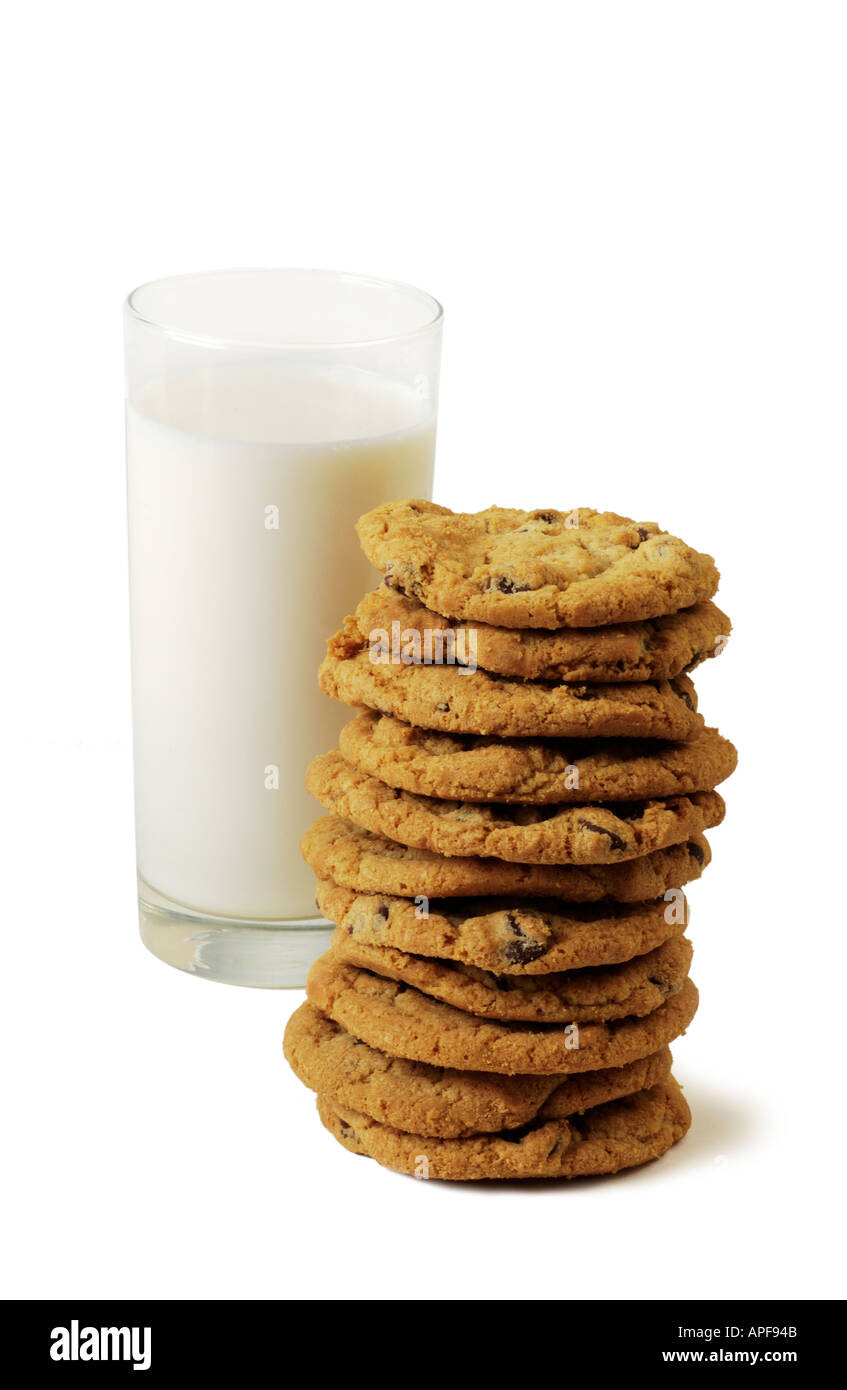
(403, 1022)
(545, 568)
(523, 834)
(515, 936)
(427, 1100)
(356, 858)
(474, 702)
(629, 990)
(606, 1139)
(649, 651)
(472, 768)
(513, 813)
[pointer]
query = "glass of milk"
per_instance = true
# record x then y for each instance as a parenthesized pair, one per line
(266, 411)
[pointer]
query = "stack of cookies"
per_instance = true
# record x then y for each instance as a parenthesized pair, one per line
(513, 814)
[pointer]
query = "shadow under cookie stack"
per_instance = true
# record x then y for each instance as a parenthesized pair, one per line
(513, 815)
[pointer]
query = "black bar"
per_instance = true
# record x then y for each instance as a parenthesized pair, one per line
(249, 1339)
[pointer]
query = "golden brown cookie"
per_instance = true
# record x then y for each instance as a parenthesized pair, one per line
(521, 834)
(651, 651)
(544, 568)
(471, 768)
(580, 1092)
(530, 936)
(474, 702)
(606, 1139)
(422, 1099)
(356, 858)
(628, 990)
(403, 1022)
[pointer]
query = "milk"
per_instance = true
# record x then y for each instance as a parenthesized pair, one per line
(244, 487)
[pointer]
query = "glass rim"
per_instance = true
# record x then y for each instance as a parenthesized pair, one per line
(232, 341)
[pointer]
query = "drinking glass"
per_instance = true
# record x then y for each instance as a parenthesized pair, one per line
(266, 411)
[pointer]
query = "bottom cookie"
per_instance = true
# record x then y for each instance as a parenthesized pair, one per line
(620, 1134)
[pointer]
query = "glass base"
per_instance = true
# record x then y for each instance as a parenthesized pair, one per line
(232, 951)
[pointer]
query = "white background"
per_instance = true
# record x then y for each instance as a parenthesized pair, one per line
(635, 216)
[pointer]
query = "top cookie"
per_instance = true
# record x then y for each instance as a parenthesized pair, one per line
(548, 569)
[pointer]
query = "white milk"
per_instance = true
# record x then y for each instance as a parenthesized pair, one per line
(230, 617)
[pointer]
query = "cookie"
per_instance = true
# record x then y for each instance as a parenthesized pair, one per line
(580, 1092)
(403, 1022)
(648, 651)
(474, 702)
(544, 568)
(369, 863)
(427, 1100)
(472, 768)
(511, 936)
(606, 1139)
(522, 834)
(629, 990)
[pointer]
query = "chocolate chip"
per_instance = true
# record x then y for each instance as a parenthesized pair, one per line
(643, 533)
(682, 694)
(549, 517)
(695, 661)
(696, 851)
(615, 841)
(504, 585)
(405, 579)
(381, 913)
(524, 949)
(522, 952)
(346, 1129)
